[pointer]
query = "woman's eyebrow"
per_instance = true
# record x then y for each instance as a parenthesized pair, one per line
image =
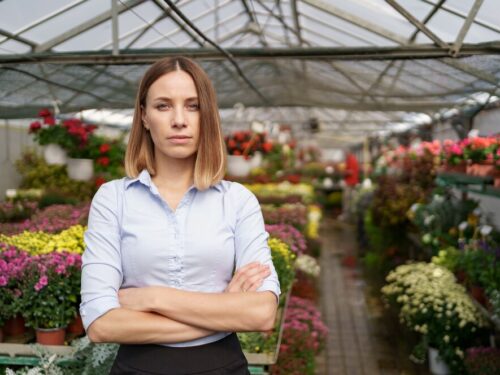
(169, 99)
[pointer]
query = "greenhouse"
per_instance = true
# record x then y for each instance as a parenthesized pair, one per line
(153, 152)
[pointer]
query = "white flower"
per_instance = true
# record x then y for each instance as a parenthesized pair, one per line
(477, 211)
(327, 183)
(428, 220)
(438, 198)
(463, 225)
(11, 193)
(414, 207)
(329, 169)
(486, 230)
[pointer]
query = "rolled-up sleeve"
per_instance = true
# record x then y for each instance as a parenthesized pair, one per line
(251, 237)
(101, 261)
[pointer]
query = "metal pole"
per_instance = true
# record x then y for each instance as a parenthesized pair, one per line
(114, 23)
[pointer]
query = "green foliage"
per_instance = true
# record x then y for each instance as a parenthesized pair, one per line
(392, 200)
(36, 173)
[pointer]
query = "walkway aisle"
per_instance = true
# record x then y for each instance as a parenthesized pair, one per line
(358, 343)
(349, 350)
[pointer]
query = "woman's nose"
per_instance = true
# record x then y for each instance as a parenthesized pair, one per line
(179, 119)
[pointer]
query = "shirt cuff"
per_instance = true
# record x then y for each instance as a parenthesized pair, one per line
(272, 286)
(92, 310)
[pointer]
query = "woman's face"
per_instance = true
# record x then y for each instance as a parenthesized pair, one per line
(172, 115)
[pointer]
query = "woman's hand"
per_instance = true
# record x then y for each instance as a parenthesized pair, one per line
(248, 278)
(138, 299)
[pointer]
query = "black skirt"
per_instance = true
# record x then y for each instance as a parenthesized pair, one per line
(223, 357)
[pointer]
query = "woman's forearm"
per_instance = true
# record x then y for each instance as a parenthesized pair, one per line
(250, 311)
(124, 326)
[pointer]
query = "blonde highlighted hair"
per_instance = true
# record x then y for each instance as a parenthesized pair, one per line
(210, 161)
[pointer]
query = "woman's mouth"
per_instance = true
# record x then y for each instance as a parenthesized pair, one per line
(179, 139)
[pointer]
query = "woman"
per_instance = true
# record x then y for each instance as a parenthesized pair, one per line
(162, 244)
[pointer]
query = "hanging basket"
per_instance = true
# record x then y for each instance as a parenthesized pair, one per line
(54, 154)
(80, 169)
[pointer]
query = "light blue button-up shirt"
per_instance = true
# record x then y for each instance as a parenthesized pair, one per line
(134, 239)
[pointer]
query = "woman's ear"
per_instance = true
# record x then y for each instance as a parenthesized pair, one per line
(144, 117)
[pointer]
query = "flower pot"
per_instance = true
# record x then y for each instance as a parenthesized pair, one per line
(496, 182)
(76, 326)
(54, 154)
(459, 168)
(477, 293)
(50, 336)
(238, 166)
(80, 169)
(482, 170)
(436, 365)
(256, 160)
(14, 326)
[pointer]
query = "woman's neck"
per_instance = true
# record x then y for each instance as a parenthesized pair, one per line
(174, 174)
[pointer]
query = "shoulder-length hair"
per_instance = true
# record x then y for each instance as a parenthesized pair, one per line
(210, 161)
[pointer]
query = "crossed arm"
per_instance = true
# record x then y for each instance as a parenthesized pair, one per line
(167, 315)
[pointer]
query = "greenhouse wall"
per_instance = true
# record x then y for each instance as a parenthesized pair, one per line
(14, 138)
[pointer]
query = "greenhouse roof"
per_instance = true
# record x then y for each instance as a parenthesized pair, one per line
(358, 65)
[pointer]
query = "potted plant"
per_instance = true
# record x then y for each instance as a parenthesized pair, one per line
(433, 304)
(49, 296)
(13, 263)
(81, 150)
(245, 150)
(480, 151)
(51, 135)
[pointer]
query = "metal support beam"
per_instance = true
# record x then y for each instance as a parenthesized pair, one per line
(19, 39)
(455, 50)
(462, 15)
(427, 18)
(417, 23)
(296, 21)
(77, 30)
(147, 56)
(355, 20)
(44, 19)
(114, 27)
(57, 84)
(165, 8)
(249, 12)
(221, 50)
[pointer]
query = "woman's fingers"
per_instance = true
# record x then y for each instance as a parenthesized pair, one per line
(252, 283)
(246, 276)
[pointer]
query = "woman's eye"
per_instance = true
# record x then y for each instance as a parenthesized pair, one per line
(162, 106)
(193, 107)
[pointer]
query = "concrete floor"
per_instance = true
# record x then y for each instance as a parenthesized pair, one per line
(361, 340)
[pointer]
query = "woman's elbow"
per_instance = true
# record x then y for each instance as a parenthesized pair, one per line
(268, 315)
(95, 334)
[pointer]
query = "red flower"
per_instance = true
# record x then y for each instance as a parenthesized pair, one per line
(90, 128)
(44, 112)
(35, 126)
(267, 147)
(104, 161)
(236, 152)
(105, 147)
(49, 120)
(99, 181)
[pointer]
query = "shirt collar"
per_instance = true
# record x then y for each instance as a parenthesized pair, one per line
(145, 178)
